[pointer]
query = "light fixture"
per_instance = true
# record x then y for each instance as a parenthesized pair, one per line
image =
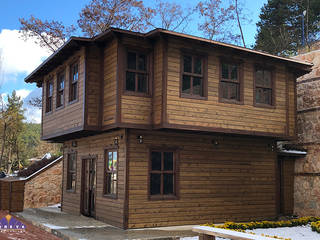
(215, 142)
(74, 144)
(116, 141)
(140, 139)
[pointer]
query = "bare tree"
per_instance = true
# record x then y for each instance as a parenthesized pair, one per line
(99, 15)
(50, 34)
(36, 102)
(239, 24)
(168, 15)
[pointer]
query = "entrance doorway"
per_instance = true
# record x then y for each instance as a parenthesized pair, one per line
(88, 186)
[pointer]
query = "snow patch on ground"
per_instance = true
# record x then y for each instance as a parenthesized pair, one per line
(295, 233)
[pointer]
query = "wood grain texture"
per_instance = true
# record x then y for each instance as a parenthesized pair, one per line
(233, 180)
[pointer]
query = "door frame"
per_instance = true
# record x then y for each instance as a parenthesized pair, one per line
(83, 159)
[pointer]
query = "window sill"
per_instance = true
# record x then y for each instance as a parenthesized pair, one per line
(48, 113)
(183, 95)
(111, 196)
(73, 101)
(162, 197)
(262, 105)
(60, 107)
(230, 101)
(71, 191)
(137, 94)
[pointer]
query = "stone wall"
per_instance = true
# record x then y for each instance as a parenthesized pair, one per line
(45, 188)
(307, 169)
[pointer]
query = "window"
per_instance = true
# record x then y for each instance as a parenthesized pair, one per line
(74, 78)
(230, 82)
(162, 175)
(49, 92)
(263, 87)
(111, 173)
(71, 171)
(60, 89)
(136, 72)
(192, 79)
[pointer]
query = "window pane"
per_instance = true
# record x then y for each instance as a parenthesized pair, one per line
(156, 161)
(114, 161)
(75, 73)
(197, 86)
(50, 89)
(225, 71)
(187, 64)
(73, 184)
(186, 84)
(234, 72)
(233, 90)
(259, 77)
(198, 66)
(130, 81)
(264, 95)
(108, 182)
(74, 92)
(114, 183)
(142, 82)
(224, 90)
(109, 162)
(168, 183)
(142, 62)
(167, 161)
(131, 60)
(267, 78)
(155, 183)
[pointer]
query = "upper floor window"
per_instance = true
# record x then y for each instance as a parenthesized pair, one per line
(263, 86)
(230, 81)
(193, 76)
(74, 79)
(49, 93)
(162, 174)
(60, 89)
(71, 171)
(111, 173)
(136, 72)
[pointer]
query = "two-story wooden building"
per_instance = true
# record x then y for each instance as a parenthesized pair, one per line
(164, 128)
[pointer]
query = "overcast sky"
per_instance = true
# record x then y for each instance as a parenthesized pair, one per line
(20, 58)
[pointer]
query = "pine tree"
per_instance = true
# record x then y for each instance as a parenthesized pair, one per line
(280, 25)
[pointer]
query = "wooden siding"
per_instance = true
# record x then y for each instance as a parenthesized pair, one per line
(70, 116)
(234, 180)
(108, 210)
(110, 83)
(292, 105)
(157, 82)
(93, 81)
(213, 114)
(287, 182)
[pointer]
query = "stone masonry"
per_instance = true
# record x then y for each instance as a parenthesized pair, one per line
(307, 169)
(45, 188)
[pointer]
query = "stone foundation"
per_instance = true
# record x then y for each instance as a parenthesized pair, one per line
(45, 188)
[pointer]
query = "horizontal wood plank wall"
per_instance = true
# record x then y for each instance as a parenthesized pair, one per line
(234, 180)
(70, 116)
(292, 106)
(157, 83)
(135, 109)
(110, 84)
(108, 210)
(213, 114)
(93, 85)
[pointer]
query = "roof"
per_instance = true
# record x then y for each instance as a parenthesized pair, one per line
(74, 43)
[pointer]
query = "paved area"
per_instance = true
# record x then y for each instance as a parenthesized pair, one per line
(73, 227)
(30, 232)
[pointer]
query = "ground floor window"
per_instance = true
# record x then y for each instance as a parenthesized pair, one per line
(71, 171)
(111, 173)
(162, 174)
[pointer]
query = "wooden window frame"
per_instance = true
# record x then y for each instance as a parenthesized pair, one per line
(70, 190)
(73, 99)
(239, 64)
(175, 171)
(105, 171)
(273, 90)
(58, 93)
(204, 75)
(148, 72)
(49, 99)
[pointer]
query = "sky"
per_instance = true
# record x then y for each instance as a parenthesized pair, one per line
(20, 58)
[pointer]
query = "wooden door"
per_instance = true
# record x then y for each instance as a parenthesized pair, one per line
(88, 189)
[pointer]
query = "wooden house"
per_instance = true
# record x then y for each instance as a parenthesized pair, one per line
(163, 128)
